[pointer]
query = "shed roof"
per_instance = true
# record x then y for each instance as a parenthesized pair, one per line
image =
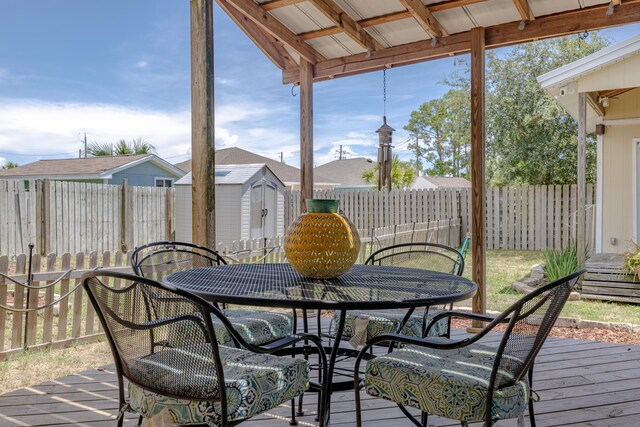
(448, 181)
(344, 37)
(234, 174)
(237, 156)
(101, 167)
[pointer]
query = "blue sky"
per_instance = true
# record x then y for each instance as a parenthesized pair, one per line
(120, 69)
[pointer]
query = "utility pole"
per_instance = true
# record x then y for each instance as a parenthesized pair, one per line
(85, 145)
(340, 158)
(282, 157)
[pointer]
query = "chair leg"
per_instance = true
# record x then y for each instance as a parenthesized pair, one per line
(532, 415)
(293, 421)
(140, 419)
(521, 420)
(424, 419)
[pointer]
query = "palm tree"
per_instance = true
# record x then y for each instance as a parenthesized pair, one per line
(9, 165)
(122, 147)
(403, 174)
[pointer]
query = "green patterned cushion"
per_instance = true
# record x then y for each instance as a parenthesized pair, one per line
(256, 326)
(254, 383)
(387, 321)
(451, 383)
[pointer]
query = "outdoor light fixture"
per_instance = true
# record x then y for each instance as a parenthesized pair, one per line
(522, 24)
(610, 9)
(604, 101)
(433, 42)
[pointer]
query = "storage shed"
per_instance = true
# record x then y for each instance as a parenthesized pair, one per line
(249, 204)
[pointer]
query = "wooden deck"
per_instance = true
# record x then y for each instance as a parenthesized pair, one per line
(607, 280)
(581, 383)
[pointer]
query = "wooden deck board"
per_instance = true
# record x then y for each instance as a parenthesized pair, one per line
(580, 383)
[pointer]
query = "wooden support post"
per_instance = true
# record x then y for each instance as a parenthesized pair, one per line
(169, 195)
(477, 170)
(42, 193)
(202, 125)
(581, 217)
(306, 133)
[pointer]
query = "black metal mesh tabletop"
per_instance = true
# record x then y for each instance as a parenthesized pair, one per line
(362, 287)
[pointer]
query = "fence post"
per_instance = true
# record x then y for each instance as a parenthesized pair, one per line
(169, 198)
(42, 193)
(125, 216)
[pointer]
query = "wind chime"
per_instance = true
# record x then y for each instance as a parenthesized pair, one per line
(385, 135)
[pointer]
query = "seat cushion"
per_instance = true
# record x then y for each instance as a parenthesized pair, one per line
(448, 383)
(254, 383)
(387, 321)
(256, 326)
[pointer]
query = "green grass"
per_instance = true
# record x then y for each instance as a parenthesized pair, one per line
(504, 267)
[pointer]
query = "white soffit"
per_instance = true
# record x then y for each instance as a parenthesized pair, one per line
(402, 32)
(494, 12)
(548, 7)
(301, 18)
(363, 9)
(336, 46)
(589, 3)
(455, 20)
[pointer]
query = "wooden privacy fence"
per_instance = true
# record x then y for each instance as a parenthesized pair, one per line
(72, 320)
(59, 216)
(527, 217)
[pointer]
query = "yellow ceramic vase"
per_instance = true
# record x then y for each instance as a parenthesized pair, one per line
(322, 243)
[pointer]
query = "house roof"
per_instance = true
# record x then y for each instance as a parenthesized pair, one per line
(346, 37)
(445, 181)
(589, 75)
(101, 167)
(347, 172)
(237, 156)
(233, 174)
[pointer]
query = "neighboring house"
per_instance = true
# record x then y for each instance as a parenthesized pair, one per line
(289, 175)
(433, 182)
(348, 173)
(146, 170)
(249, 204)
(610, 79)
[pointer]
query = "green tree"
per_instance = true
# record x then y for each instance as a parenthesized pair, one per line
(122, 147)
(427, 125)
(403, 174)
(531, 139)
(9, 165)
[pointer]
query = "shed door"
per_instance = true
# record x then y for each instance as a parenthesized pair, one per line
(263, 209)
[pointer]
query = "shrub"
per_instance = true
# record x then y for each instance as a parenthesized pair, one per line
(561, 263)
(632, 259)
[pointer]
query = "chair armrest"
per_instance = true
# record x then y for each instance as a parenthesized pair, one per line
(463, 315)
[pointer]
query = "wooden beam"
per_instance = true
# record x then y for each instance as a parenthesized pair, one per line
(306, 133)
(581, 219)
(425, 18)
(347, 24)
(277, 4)
(202, 125)
(588, 19)
(478, 272)
(268, 44)
(390, 17)
(272, 26)
(616, 2)
(524, 9)
(615, 92)
(592, 100)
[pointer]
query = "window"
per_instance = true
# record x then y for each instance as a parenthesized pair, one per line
(164, 182)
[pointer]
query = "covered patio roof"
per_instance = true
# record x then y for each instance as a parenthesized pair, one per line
(313, 40)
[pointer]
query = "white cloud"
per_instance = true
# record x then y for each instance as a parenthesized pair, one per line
(224, 82)
(2, 161)
(43, 129)
(4, 73)
(142, 64)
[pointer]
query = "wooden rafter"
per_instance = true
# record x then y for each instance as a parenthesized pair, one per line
(436, 7)
(425, 18)
(588, 19)
(592, 100)
(347, 24)
(390, 17)
(524, 9)
(268, 44)
(271, 25)
(277, 4)
(615, 92)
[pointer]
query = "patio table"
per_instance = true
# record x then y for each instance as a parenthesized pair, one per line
(363, 287)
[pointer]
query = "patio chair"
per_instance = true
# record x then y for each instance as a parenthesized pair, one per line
(426, 256)
(186, 377)
(157, 260)
(464, 380)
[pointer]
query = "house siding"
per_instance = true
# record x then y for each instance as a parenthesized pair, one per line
(142, 175)
(617, 173)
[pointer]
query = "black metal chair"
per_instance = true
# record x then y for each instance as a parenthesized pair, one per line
(426, 256)
(157, 260)
(462, 379)
(182, 373)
